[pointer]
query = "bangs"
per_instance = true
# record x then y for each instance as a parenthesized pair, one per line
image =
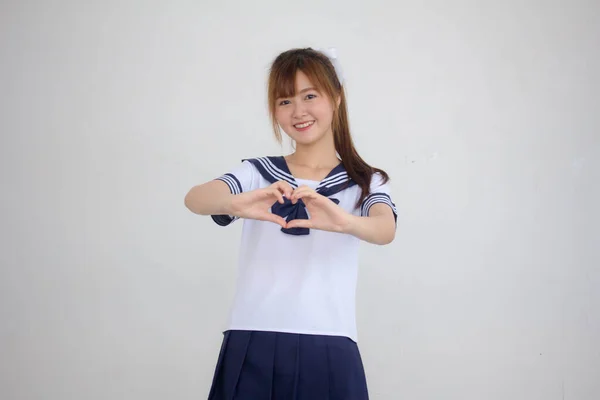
(284, 82)
(284, 76)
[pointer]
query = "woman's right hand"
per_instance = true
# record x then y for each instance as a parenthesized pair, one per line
(256, 204)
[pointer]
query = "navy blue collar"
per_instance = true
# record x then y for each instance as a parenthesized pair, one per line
(275, 169)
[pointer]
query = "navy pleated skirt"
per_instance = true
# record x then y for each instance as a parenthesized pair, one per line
(257, 365)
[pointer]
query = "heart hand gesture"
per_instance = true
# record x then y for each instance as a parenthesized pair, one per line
(324, 214)
(256, 204)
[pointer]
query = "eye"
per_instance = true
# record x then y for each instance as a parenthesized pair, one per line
(311, 96)
(284, 102)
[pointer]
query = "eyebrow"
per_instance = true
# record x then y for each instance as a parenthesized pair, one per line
(308, 89)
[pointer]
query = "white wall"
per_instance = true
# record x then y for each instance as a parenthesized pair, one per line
(485, 114)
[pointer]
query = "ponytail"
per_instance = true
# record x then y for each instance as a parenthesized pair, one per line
(357, 168)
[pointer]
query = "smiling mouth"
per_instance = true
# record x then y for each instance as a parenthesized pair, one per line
(304, 125)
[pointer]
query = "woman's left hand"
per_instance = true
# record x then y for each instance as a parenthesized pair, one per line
(324, 214)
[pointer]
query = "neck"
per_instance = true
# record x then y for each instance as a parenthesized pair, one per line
(316, 155)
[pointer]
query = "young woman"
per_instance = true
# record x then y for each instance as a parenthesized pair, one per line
(292, 329)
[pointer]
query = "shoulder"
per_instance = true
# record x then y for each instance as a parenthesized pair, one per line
(378, 181)
(257, 163)
(272, 168)
(378, 177)
(379, 192)
(264, 160)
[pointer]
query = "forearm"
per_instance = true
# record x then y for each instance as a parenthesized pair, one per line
(376, 229)
(211, 198)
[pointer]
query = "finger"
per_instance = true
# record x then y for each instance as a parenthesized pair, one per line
(270, 217)
(285, 188)
(277, 219)
(277, 186)
(288, 189)
(277, 193)
(301, 192)
(305, 195)
(300, 223)
(303, 189)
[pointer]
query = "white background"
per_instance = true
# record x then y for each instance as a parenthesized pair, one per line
(485, 114)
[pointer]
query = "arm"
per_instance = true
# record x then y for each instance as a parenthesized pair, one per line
(210, 198)
(215, 198)
(377, 225)
(377, 228)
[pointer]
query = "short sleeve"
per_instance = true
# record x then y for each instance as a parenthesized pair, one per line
(379, 192)
(242, 178)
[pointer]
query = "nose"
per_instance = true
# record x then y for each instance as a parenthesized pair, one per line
(299, 111)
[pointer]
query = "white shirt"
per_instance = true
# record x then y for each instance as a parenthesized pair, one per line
(297, 283)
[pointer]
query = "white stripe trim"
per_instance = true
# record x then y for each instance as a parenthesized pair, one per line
(334, 177)
(374, 199)
(228, 182)
(377, 199)
(290, 176)
(233, 186)
(329, 184)
(274, 171)
(341, 179)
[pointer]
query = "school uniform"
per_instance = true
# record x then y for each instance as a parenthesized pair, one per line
(292, 333)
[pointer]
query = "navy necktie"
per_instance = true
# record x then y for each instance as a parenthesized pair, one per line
(291, 211)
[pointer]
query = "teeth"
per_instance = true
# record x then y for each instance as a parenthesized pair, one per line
(304, 125)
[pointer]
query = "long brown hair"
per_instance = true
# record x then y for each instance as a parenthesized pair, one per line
(321, 72)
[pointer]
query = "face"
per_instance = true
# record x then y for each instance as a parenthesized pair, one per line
(307, 116)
